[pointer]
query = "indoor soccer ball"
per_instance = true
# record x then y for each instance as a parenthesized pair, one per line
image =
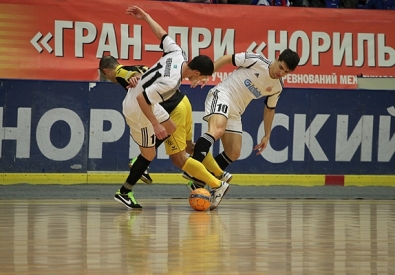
(200, 199)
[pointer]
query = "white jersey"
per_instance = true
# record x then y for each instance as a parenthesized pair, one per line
(251, 80)
(158, 84)
(163, 79)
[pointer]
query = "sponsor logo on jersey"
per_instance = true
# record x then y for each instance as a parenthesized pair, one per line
(168, 66)
(254, 90)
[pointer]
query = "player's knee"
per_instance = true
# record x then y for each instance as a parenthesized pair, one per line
(179, 159)
(217, 133)
(190, 147)
(233, 154)
(149, 155)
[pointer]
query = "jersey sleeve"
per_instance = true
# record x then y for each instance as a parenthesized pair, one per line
(245, 59)
(271, 101)
(123, 73)
(169, 45)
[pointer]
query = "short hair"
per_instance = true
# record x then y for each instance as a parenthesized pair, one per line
(203, 64)
(290, 58)
(108, 62)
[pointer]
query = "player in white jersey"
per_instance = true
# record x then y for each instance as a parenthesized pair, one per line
(148, 120)
(255, 77)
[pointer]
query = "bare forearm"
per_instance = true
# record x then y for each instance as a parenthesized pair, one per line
(222, 61)
(156, 28)
(268, 116)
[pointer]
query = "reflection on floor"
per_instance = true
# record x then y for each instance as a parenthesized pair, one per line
(168, 237)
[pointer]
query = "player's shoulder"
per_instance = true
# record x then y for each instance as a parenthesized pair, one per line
(168, 44)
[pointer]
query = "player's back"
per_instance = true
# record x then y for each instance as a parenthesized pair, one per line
(164, 78)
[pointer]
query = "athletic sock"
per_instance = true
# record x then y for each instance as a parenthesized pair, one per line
(197, 170)
(223, 160)
(138, 168)
(202, 147)
(211, 165)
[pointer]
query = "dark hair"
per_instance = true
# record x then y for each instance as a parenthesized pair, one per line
(203, 64)
(108, 62)
(290, 58)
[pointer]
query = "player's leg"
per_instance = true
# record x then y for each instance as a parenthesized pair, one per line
(145, 177)
(216, 114)
(231, 140)
(125, 194)
(143, 134)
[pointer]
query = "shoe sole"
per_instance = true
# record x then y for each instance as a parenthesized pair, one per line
(128, 207)
(221, 198)
(231, 177)
(145, 180)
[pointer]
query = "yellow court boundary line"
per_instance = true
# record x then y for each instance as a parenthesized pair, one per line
(370, 180)
(176, 178)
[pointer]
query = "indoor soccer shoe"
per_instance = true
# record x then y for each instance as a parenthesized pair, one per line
(185, 175)
(226, 177)
(217, 194)
(144, 177)
(192, 185)
(127, 199)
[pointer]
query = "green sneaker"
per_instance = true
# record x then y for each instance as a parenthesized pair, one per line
(145, 177)
(127, 199)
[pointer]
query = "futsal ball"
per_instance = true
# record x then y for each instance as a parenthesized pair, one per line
(200, 199)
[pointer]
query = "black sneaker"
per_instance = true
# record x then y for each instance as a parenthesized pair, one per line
(185, 175)
(144, 177)
(192, 185)
(127, 199)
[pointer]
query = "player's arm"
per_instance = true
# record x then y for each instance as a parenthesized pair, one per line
(222, 61)
(142, 15)
(268, 116)
(145, 106)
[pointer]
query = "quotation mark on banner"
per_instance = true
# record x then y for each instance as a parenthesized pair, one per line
(253, 47)
(44, 42)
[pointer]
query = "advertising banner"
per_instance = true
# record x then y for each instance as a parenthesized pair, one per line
(63, 127)
(64, 40)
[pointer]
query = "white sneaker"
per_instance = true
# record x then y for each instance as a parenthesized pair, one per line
(227, 177)
(217, 194)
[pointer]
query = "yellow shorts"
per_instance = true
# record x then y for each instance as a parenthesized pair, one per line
(182, 118)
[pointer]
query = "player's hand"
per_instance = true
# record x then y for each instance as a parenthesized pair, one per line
(262, 145)
(136, 12)
(133, 82)
(202, 83)
(160, 131)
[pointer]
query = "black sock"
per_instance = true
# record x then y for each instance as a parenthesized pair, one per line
(223, 160)
(202, 146)
(124, 190)
(138, 168)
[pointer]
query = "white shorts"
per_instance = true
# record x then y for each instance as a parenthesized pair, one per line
(141, 128)
(219, 103)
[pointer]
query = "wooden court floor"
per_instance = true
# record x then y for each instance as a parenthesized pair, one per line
(245, 236)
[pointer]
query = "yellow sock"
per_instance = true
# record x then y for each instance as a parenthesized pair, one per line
(211, 165)
(197, 170)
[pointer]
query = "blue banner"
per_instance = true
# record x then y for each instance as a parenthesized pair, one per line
(53, 126)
